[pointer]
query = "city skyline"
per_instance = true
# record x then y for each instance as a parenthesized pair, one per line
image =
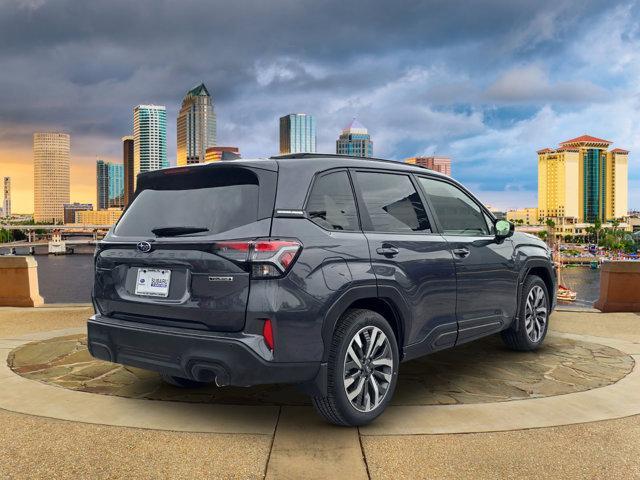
(487, 97)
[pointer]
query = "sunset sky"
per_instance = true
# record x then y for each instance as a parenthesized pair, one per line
(487, 83)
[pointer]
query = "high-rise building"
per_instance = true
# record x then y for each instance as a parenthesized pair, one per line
(439, 164)
(70, 210)
(98, 217)
(110, 185)
(102, 185)
(297, 133)
(196, 126)
(215, 154)
(354, 141)
(149, 139)
(6, 205)
(51, 158)
(582, 180)
(127, 162)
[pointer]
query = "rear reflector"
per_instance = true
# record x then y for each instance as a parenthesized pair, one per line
(267, 333)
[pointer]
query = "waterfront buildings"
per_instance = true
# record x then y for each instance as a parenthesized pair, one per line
(51, 158)
(109, 185)
(215, 154)
(583, 181)
(70, 210)
(524, 216)
(149, 139)
(439, 164)
(127, 162)
(297, 133)
(195, 126)
(6, 204)
(354, 141)
(98, 217)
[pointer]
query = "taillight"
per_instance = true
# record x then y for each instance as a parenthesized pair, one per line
(267, 333)
(268, 258)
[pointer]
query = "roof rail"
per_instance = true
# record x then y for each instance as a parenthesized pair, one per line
(346, 157)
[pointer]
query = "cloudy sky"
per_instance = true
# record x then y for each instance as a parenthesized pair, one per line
(485, 82)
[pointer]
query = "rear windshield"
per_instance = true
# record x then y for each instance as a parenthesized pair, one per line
(218, 204)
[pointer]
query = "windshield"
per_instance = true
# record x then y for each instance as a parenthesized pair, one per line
(212, 210)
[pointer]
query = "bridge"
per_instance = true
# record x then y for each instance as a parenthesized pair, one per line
(69, 227)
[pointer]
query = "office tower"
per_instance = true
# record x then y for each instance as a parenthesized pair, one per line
(51, 158)
(6, 205)
(354, 141)
(149, 139)
(102, 185)
(110, 185)
(195, 126)
(297, 133)
(70, 210)
(215, 154)
(439, 164)
(127, 162)
(582, 180)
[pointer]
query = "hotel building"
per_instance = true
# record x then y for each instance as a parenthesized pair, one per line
(355, 141)
(439, 164)
(297, 133)
(583, 180)
(195, 126)
(149, 139)
(51, 158)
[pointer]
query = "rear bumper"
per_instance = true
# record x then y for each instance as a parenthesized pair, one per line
(228, 359)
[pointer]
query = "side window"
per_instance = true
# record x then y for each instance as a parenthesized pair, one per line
(393, 203)
(458, 213)
(331, 204)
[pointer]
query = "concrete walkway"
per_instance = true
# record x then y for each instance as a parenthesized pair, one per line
(292, 442)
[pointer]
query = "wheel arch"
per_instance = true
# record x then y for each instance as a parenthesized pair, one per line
(544, 270)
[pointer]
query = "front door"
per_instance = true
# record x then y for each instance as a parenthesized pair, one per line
(409, 259)
(487, 278)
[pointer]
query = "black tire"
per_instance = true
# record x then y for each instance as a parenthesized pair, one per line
(181, 382)
(336, 407)
(517, 337)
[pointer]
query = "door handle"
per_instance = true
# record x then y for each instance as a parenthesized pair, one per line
(461, 252)
(387, 250)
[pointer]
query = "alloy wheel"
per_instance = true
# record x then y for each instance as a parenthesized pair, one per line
(368, 368)
(535, 314)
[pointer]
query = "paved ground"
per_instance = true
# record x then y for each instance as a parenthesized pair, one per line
(301, 446)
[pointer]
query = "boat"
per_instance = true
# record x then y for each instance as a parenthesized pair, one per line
(566, 294)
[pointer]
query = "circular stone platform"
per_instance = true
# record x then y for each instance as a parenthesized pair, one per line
(479, 372)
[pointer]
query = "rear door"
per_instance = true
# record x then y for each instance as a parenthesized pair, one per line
(409, 257)
(176, 235)
(486, 271)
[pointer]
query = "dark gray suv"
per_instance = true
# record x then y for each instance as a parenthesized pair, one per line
(318, 270)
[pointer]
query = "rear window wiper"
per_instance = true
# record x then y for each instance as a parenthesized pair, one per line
(177, 231)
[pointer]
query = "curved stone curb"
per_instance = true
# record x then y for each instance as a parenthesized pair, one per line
(17, 394)
(30, 397)
(621, 399)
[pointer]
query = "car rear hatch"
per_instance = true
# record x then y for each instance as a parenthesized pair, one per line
(164, 263)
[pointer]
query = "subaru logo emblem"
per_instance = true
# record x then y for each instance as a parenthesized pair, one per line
(144, 247)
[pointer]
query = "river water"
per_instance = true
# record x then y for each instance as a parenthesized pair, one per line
(69, 279)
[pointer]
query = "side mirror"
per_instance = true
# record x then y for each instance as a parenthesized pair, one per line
(504, 229)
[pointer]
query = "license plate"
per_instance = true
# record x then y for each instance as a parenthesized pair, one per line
(152, 282)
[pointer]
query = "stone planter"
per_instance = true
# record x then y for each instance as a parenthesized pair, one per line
(19, 282)
(619, 287)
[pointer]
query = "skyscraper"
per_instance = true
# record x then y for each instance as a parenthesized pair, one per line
(6, 205)
(297, 133)
(196, 126)
(582, 180)
(109, 185)
(354, 141)
(102, 185)
(51, 158)
(127, 162)
(439, 164)
(149, 139)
